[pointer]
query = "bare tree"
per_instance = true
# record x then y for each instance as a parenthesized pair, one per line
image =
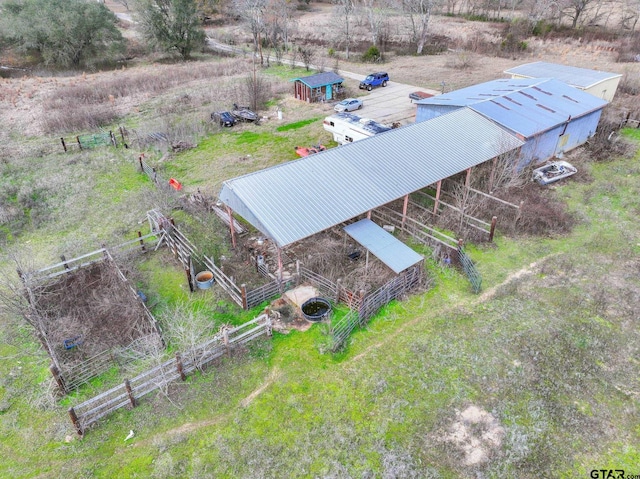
(124, 3)
(258, 90)
(186, 329)
(307, 56)
(419, 13)
(253, 13)
(375, 13)
(344, 10)
(278, 22)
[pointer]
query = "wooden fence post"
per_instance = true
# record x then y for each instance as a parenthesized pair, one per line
(225, 339)
(338, 283)
(124, 142)
(132, 398)
(494, 220)
(243, 292)
(141, 242)
(63, 144)
(180, 368)
(190, 280)
(268, 324)
(79, 144)
(64, 260)
(140, 161)
(113, 139)
(55, 372)
(75, 421)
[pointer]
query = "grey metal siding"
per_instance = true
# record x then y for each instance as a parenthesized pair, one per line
(540, 148)
(579, 131)
(427, 112)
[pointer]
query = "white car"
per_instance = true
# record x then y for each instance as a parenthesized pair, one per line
(350, 104)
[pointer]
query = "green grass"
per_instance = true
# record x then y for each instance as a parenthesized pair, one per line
(297, 124)
(551, 354)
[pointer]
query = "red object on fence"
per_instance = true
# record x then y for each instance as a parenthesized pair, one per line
(175, 184)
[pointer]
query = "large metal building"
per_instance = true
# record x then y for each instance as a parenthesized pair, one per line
(297, 199)
(548, 115)
(598, 83)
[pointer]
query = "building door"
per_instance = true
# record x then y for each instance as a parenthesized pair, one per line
(329, 92)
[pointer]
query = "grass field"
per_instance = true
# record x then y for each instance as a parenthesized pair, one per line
(538, 376)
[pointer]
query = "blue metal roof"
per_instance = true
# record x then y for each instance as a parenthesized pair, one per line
(320, 79)
(574, 76)
(300, 198)
(386, 247)
(525, 106)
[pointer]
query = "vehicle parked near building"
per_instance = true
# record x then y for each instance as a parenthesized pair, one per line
(349, 104)
(374, 80)
(554, 171)
(347, 127)
(225, 118)
(244, 113)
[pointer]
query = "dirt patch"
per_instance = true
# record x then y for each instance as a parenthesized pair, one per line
(286, 316)
(475, 434)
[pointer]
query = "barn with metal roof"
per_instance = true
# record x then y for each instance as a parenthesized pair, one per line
(297, 199)
(598, 83)
(549, 115)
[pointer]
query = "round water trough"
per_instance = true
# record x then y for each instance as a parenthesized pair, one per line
(316, 309)
(204, 279)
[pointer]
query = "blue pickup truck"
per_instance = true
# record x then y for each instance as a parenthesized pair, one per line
(374, 80)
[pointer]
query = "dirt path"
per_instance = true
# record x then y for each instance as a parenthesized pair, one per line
(485, 296)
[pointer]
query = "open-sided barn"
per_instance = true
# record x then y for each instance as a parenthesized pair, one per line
(548, 115)
(598, 83)
(297, 199)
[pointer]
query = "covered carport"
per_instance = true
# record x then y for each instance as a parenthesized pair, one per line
(297, 199)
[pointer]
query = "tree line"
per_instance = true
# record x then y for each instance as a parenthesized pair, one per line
(74, 33)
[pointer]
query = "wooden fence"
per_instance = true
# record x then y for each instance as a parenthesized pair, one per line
(334, 291)
(70, 378)
(85, 142)
(371, 303)
(160, 376)
(420, 232)
(186, 252)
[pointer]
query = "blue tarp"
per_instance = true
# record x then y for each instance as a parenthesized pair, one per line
(391, 251)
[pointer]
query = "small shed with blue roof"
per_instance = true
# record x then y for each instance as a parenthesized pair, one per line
(325, 86)
(550, 116)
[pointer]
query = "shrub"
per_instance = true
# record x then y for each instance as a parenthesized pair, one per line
(372, 55)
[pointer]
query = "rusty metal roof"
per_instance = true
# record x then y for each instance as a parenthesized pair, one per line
(297, 199)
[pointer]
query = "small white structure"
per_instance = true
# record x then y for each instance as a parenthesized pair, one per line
(598, 83)
(347, 127)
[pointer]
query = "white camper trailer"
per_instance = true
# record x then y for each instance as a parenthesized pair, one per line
(347, 127)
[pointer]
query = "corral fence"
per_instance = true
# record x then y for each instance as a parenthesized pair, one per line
(186, 253)
(431, 237)
(470, 270)
(69, 378)
(159, 377)
(94, 140)
(371, 303)
(362, 306)
(631, 120)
